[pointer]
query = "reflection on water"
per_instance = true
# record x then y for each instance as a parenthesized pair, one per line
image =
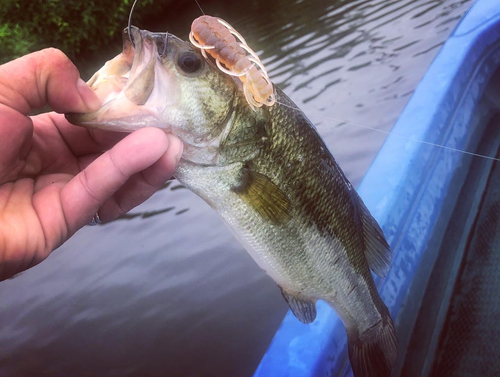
(169, 291)
(145, 214)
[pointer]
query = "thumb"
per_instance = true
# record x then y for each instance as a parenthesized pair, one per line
(46, 76)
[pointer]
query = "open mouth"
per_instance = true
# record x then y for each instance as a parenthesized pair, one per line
(127, 86)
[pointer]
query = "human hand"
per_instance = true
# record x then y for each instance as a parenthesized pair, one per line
(54, 177)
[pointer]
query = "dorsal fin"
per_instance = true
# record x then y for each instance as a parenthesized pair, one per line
(303, 308)
(378, 251)
(259, 192)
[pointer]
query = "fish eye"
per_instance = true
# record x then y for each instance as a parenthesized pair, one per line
(189, 62)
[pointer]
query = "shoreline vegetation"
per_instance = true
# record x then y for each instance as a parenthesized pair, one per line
(87, 31)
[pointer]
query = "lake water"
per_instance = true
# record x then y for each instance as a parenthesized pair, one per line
(167, 291)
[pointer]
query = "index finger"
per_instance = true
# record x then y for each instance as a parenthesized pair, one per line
(46, 76)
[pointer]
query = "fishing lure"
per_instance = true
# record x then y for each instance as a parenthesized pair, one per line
(233, 57)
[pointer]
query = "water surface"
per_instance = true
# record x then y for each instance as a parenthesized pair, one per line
(167, 290)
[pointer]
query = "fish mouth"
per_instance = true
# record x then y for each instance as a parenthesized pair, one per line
(131, 85)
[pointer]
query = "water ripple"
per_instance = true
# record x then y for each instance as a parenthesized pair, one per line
(170, 285)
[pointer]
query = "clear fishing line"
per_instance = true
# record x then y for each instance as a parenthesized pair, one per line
(394, 133)
(199, 6)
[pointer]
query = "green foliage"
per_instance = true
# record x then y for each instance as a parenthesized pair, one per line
(14, 41)
(76, 27)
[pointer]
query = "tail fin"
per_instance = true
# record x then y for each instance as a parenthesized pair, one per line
(374, 352)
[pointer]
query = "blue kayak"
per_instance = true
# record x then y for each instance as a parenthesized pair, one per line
(437, 207)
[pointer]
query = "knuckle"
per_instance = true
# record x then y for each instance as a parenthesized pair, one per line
(57, 58)
(117, 165)
(121, 208)
(150, 182)
(54, 53)
(83, 177)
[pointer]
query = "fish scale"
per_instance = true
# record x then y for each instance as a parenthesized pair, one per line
(272, 180)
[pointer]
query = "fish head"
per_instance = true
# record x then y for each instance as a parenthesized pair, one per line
(159, 81)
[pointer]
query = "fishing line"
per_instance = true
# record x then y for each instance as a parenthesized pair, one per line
(130, 23)
(375, 129)
(395, 134)
(197, 3)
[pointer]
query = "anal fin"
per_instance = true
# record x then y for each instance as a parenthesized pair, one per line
(304, 308)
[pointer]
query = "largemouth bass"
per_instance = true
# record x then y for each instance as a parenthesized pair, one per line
(269, 176)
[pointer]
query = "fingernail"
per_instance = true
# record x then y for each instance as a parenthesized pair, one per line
(175, 142)
(88, 96)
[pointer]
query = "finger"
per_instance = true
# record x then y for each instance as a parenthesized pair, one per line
(93, 186)
(46, 76)
(83, 141)
(144, 184)
(15, 142)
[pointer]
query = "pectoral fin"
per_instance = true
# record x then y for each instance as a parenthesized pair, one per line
(303, 308)
(260, 193)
